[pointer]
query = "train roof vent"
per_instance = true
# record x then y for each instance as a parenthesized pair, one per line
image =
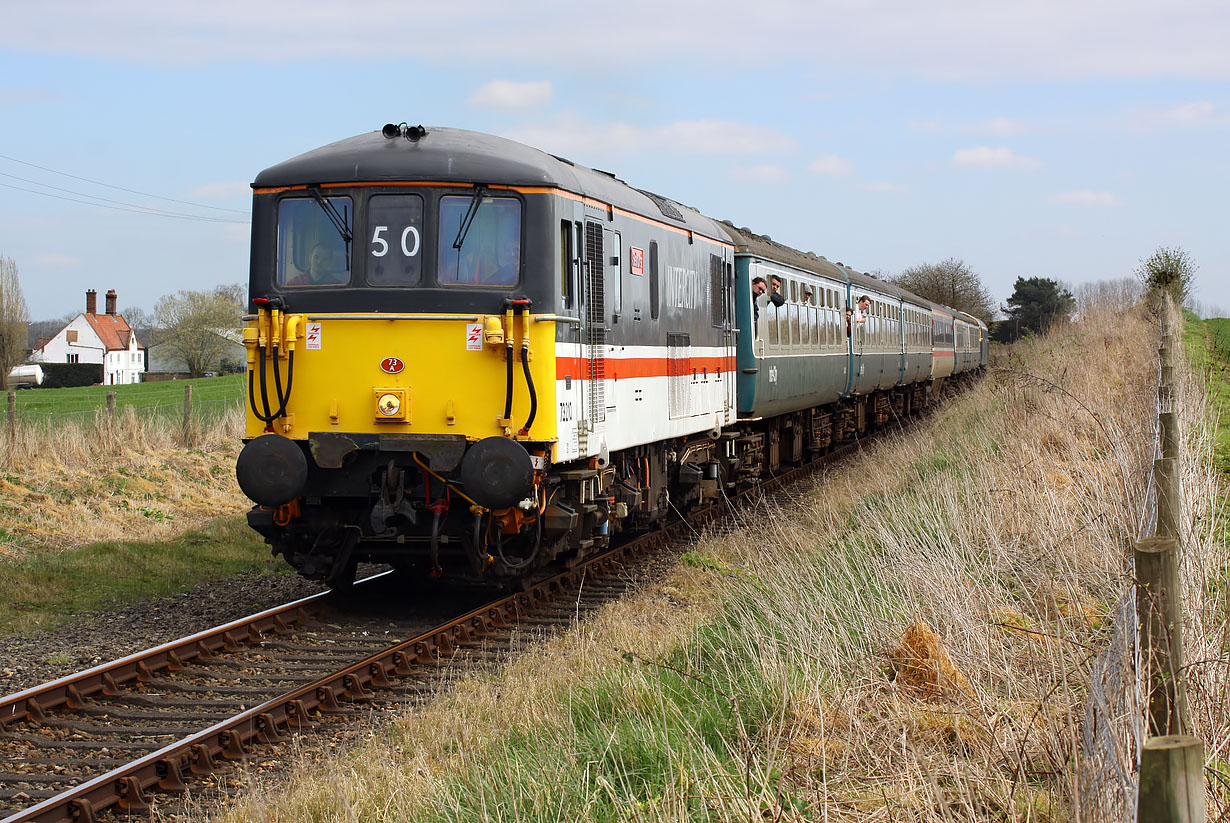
(664, 205)
(563, 160)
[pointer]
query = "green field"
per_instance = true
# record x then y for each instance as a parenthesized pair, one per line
(211, 396)
(1208, 346)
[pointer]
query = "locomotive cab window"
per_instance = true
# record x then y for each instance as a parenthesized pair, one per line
(479, 241)
(394, 239)
(312, 249)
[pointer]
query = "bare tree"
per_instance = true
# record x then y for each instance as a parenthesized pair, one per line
(14, 318)
(1169, 270)
(952, 283)
(1117, 295)
(193, 325)
(138, 318)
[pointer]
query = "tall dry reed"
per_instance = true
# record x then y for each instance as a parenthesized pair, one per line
(125, 476)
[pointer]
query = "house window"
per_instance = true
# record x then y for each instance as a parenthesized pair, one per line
(72, 358)
(71, 336)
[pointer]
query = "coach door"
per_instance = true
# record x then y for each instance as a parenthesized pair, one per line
(593, 336)
(722, 275)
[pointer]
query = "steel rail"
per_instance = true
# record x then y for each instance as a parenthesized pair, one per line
(105, 678)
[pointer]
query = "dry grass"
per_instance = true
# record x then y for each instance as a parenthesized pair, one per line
(132, 479)
(914, 642)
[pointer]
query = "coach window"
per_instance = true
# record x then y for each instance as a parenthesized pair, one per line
(565, 264)
(654, 300)
(313, 235)
(479, 241)
(615, 274)
(394, 239)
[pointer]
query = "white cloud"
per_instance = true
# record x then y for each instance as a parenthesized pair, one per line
(14, 96)
(986, 157)
(885, 187)
(764, 173)
(831, 164)
(1086, 197)
(1190, 113)
(511, 95)
(578, 138)
(1194, 114)
(999, 125)
(924, 125)
(236, 233)
(223, 191)
(59, 261)
(972, 40)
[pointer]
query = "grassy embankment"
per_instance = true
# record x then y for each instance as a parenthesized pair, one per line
(96, 513)
(1205, 416)
(912, 643)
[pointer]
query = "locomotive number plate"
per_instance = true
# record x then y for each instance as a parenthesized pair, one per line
(392, 365)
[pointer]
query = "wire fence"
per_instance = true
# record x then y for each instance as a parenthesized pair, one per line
(204, 401)
(75, 426)
(1138, 760)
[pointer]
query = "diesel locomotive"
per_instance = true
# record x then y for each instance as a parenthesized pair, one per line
(466, 356)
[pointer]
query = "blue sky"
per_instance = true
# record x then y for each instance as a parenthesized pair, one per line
(1064, 139)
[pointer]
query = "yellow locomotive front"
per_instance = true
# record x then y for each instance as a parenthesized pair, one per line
(401, 359)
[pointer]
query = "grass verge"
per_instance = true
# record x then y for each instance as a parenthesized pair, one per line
(914, 642)
(48, 588)
(96, 513)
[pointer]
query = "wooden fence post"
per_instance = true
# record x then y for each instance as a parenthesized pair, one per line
(1166, 476)
(188, 414)
(110, 406)
(1170, 435)
(1171, 786)
(1160, 612)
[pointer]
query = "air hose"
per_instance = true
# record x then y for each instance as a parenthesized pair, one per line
(529, 382)
(282, 397)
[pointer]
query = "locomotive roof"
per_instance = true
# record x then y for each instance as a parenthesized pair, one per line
(460, 156)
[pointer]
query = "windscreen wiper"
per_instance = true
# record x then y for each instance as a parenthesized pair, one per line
(477, 199)
(330, 210)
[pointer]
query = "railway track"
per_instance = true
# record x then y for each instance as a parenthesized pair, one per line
(105, 738)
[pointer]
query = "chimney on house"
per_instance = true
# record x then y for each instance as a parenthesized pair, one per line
(91, 301)
(110, 301)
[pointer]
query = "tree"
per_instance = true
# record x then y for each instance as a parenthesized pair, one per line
(1035, 305)
(192, 325)
(14, 318)
(139, 320)
(952, 283)
(1115, 295)
(1168, 271)
(47, 328)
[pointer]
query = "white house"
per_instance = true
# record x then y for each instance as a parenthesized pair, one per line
(97, 338)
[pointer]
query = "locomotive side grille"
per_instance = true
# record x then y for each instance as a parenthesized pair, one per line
(717, 292)
(665, 206)
(595, 322)
(679, 374)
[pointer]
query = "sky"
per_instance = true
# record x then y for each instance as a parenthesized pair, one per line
(1066, 139)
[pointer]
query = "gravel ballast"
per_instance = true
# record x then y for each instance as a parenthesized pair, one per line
(100, 637)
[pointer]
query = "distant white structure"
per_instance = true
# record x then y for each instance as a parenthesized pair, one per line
(97, 338)
(162, 360)
(29, 375)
